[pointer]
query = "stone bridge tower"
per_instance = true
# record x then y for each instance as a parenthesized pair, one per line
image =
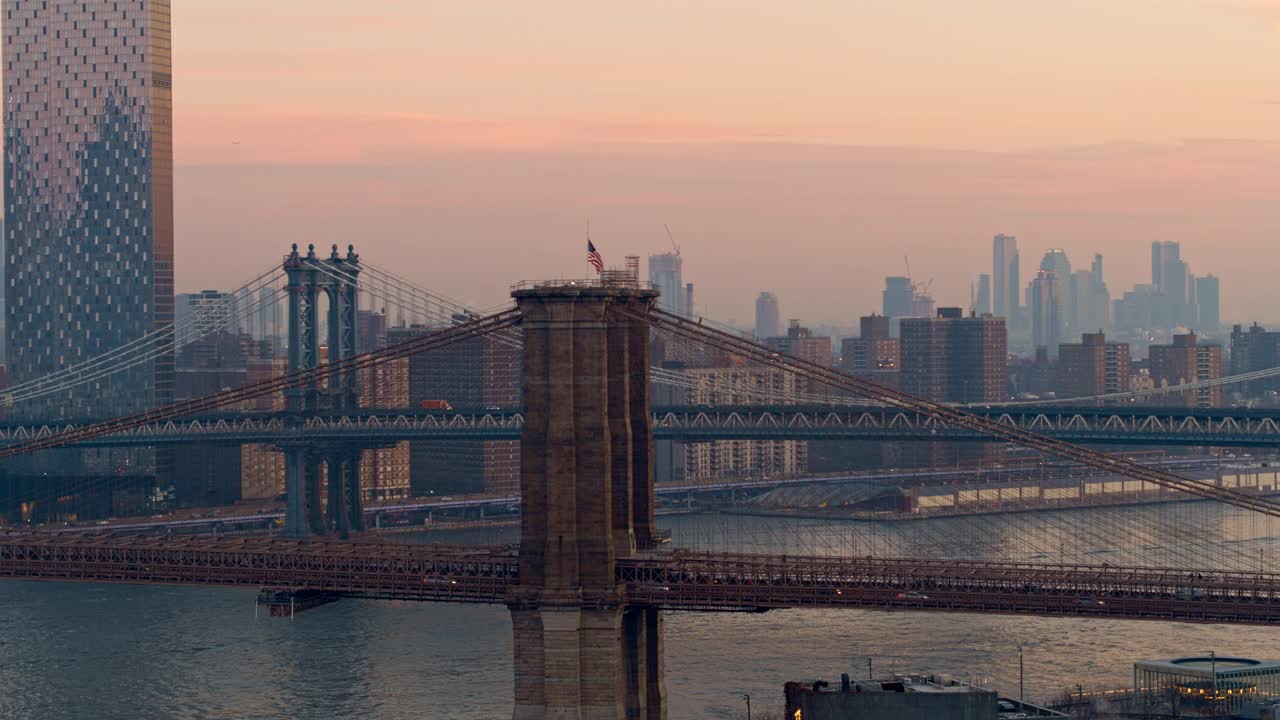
(586, 488)
(309, 277)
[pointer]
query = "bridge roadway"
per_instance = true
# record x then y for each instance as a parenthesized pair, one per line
(905, 477)
(1091, 425)
(672, 580)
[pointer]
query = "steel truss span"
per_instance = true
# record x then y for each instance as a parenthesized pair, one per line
(299, 378)
(676, 580)
(953, 417)
(1136, 426)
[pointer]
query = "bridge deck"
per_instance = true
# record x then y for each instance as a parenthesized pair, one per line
(676, 580)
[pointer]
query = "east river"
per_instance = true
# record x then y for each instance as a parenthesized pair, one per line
(99, 652)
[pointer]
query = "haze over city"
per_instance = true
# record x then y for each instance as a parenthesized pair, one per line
(710, 360)
(800, 151)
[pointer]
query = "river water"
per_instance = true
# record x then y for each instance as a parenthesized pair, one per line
(71, 650)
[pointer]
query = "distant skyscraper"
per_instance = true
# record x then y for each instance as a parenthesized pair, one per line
(1047, 320)
(1162, 253)
(1207, 290)
(88, 196)
(1056, 262)
(768, 320)
(667, 272)
(897, 297)
(981, 303)
(1170, 279)
(1004, 276)
(269, 313)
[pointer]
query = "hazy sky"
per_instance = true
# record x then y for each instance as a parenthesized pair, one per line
(798, 147)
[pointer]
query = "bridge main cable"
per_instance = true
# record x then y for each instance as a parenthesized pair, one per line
(692, 329)
(463, 331)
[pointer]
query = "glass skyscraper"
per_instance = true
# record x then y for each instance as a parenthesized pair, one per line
(88, 216)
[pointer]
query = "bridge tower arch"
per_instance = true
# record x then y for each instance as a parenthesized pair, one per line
(586, 484)
(337, 278)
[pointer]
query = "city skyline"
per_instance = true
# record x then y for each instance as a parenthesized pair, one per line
(513, 148)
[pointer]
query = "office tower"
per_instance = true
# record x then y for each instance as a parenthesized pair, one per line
(1183, 362)
(1047, 317)
(666, 271)
(768, 320)
(897, 297)
(1207, 308)
(1004, 275)
(953, 358)
(269, 314)
(1162, 255)
(88, 196)
(981, 300)
(1056, 262)
(1092, 367)
(1169, 280)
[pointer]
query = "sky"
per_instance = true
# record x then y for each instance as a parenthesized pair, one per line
(804, 148)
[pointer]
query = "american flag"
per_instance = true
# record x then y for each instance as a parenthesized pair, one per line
(594, 258)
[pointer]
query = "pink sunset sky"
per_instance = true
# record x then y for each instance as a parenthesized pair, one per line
(798, 147)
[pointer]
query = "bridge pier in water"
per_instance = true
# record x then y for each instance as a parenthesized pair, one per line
(586, 484)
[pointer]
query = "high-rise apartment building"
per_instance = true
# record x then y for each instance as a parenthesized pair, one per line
(953, 358)
(1183, 362)
(1048, 322)
(1092, 367)
(802, 343)
(727, 459)
(474, 374)
(1255, 349)
(1004, 276)
(666, 271)
(768, 320)
(873, 354)
(88, 211)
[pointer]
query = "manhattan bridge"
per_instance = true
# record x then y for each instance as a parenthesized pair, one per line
(591, 575)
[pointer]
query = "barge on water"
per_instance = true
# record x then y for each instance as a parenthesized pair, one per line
(287, 603)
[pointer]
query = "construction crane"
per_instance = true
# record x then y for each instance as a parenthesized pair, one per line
(672, 239)
(917, 288)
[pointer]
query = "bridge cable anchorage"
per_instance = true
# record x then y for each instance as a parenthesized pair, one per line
(152, 344)
(958, 417)
(431, 341)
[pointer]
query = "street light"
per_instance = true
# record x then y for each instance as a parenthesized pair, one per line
(748, 698)
(1021, 695)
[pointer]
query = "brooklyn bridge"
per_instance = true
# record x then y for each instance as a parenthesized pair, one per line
(590, 578)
